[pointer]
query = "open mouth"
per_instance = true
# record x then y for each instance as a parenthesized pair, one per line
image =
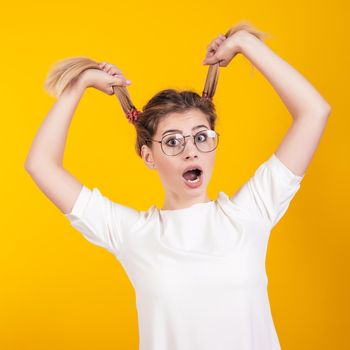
(192, 176)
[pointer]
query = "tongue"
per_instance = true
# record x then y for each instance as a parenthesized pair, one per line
(190, 175)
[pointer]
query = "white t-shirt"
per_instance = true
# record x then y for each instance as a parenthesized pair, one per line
(198, 272)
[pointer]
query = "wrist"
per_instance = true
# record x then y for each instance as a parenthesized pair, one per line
(82, 83)
(75, 89)
(236, 42)
(244, 39)
(241, 38)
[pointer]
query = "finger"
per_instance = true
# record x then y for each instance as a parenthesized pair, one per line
(213, 41)
(210, 54)
(215, 58)
(207, 56)
(103, 65)
(120, 81)
(210, 60)
(113, 71)
(211, 45)
(216, 41)
(223, 63)
(211, 51)
(109, 68)
(117, 75)
(215, 45)
(117, 70)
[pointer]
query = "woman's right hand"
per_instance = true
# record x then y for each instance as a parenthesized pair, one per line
(105, 78)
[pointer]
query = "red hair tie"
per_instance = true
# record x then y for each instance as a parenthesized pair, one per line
(133, 115)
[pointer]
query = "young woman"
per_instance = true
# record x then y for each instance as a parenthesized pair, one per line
(197, 265)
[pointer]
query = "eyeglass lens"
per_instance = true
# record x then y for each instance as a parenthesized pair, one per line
(206, 141)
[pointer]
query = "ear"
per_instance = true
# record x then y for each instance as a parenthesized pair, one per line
(147, 156)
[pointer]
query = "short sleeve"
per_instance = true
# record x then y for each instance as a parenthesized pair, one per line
(102, 221)
(268, 193)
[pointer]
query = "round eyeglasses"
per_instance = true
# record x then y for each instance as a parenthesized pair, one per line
(173, 144)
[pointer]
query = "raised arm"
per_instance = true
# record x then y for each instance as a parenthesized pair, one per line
(45, 158)
(307, 107)
(309, 110)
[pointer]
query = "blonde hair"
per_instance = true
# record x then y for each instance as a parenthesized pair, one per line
(65, 73)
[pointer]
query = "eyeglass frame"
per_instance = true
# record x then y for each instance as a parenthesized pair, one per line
(183, 148)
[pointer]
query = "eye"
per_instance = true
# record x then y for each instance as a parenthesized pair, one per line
(201, 137)
(172, 142)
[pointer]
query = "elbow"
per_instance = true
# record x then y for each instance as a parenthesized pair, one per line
(32, 166)
(329, 110)
(316, 114)
(326, 109)
(322, 108)
(28, 164)
(27, 167)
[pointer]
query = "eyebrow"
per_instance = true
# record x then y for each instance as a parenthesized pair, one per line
(196, 127)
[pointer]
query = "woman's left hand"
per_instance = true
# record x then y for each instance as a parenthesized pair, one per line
(222, 49)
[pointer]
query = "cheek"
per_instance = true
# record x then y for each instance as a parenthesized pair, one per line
(210, 165)
(167, 171)
(169, 177)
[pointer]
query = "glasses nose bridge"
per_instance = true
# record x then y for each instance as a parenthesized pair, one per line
(185, 142)
(193, 137)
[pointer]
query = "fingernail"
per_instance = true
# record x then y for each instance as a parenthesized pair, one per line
(128, 82)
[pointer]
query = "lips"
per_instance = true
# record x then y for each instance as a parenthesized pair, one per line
(196, 184)
(190, 180)
(192, 167)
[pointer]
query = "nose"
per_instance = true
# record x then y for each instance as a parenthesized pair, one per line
(190, 148)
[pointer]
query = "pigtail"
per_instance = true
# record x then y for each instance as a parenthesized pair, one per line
(211, 81)
(65, 73)
(213, 70)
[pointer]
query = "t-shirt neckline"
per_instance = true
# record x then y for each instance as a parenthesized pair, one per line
(193, 206)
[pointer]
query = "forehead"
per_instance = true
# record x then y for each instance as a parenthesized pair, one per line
(183, 121)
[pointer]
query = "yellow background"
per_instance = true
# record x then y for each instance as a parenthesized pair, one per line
(58, 291)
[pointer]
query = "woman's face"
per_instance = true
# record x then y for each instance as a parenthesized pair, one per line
(171, 168)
